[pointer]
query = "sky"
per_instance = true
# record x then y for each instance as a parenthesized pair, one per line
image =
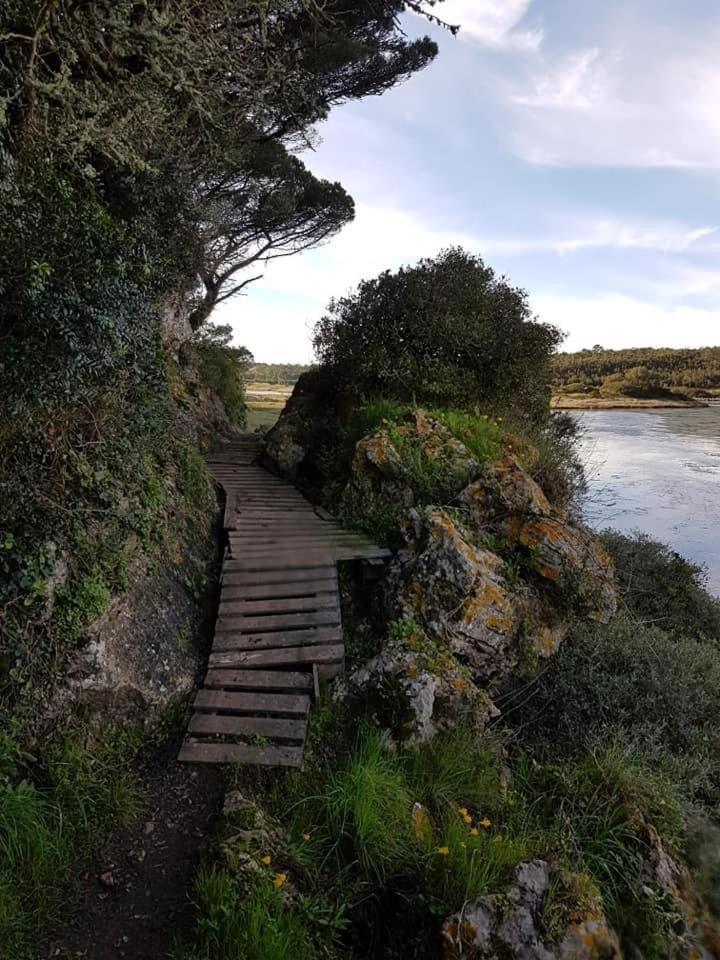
(573, 145)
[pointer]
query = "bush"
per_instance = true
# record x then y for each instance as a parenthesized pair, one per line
(221, 368)
(445, 332)
(660, 587)
(637, 686)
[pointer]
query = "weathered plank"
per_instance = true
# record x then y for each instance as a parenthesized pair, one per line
(230, 608)
(280, 621)
(291, 638)
(272, 756)
(277, 680)
(236, 576)
(253, 703)
(275, 728)
(301, 588)
(285, 656)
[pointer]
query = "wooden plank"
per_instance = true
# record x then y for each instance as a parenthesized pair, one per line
(230, 608)
(302, 588)
(286, 656)
(285, 560)
(316, 681)
(272, 756)
(278, 680)
(242, 702)
(236, 726)
(291, 638)
(280, 621)
(232, 576)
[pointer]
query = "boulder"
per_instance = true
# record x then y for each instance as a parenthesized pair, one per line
(498, 926)
(400, 465)
(462, 594)
(416, 688)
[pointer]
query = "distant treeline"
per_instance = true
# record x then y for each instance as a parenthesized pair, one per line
(638, 372)
(281, 373)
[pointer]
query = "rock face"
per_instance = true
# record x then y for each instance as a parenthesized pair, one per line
(382, 468)
(510, 925)
(417, 688)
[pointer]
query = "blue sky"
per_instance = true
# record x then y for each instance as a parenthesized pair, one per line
(574, 145)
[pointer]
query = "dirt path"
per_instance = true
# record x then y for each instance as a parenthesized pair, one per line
(134, 897)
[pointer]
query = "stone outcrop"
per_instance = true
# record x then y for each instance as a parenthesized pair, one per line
(510, 925)
(416, 689)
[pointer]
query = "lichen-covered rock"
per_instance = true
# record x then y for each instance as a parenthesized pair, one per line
(504, 925)
(458, 592)
(571, 559)
(504, 488)
(416, 688)
(385, 465)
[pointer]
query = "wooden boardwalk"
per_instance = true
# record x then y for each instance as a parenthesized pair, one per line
(278, 629)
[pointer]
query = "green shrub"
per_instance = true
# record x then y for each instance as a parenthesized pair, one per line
(636, 685)
(221, 368)
(446, 331)
(660, 587)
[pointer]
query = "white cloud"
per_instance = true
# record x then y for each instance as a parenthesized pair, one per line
(649, 100)
(493, 23)
(619, 321)
(275, 319)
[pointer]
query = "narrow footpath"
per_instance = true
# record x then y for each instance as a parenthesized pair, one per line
(279, 629)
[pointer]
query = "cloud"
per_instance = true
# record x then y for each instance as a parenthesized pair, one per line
(620, 321)
(492, 23)
(275, 319)
(648, 100)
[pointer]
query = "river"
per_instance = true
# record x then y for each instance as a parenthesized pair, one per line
(657, 471)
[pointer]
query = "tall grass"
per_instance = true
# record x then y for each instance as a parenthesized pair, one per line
(52, 810)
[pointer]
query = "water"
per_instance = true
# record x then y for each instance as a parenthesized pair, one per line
(657, 471)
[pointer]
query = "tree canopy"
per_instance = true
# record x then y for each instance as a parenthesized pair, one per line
(447, 331)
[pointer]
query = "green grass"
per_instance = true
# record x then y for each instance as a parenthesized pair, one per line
(239, 922)
(52, 811)
(260, 418)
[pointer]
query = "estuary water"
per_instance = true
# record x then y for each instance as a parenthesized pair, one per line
(657, 471)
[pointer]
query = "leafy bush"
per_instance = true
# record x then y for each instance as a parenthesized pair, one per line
(445, 332)
(221, 368)
(635, 685)
(661, 587)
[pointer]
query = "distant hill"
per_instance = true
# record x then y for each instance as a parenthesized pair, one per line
(640, 372)
(280, 373)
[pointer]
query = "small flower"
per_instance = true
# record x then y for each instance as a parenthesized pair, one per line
(306, 837)
(467, 818)
(474, 832)
(463, 844)
(266, 860)
(663, 803)
(485, 823)
(280, 880)
(462, 811)
(443, 851)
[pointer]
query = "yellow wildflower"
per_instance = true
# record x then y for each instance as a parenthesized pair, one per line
(462, 811)
(306, 837)
(443, 851)
(280, 880)
(485, 823)
(467, 818)
(266, 860)
(474, 832)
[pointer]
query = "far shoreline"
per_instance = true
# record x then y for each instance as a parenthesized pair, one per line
(623, 403)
